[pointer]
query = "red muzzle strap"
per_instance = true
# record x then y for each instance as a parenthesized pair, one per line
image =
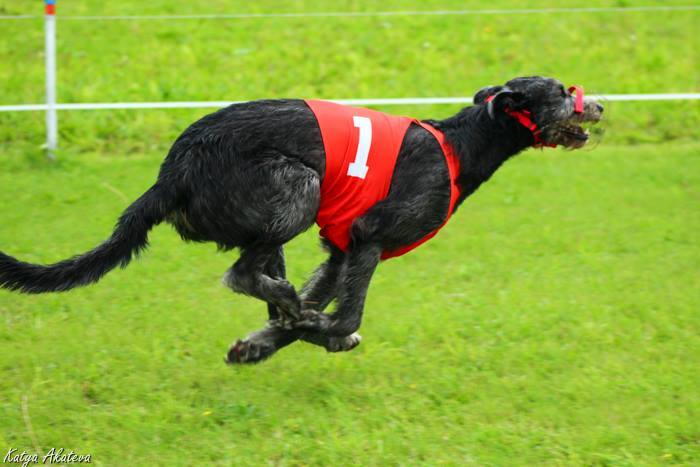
(578, 104)
(524, 117)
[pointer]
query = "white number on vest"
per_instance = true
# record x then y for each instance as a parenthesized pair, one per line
(359, 168)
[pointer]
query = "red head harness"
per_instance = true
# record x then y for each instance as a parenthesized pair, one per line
(524, 117)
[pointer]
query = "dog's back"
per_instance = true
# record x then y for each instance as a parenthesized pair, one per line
(247, 173)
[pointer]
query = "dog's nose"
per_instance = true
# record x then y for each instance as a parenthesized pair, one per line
(599, 107)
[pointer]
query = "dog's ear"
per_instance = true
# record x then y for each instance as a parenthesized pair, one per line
(483, 93)
(505, 98)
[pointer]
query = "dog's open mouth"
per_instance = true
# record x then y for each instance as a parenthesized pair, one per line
(574, 131)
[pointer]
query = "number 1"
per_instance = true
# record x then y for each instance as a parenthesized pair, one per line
(359, 168)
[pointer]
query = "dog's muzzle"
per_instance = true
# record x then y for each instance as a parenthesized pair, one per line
(571, 130)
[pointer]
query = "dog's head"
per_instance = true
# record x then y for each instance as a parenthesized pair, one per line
(547, 104)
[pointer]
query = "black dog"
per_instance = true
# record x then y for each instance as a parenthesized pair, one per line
(249, 176)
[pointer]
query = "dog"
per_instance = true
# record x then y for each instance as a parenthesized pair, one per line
(255, 175)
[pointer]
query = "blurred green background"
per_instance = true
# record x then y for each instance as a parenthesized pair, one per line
(554, 321)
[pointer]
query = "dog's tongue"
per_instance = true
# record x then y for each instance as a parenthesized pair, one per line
(578, 105)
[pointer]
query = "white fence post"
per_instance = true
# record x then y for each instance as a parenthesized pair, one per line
(51, 117)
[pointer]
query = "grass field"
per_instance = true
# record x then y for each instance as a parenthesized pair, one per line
(554, 321)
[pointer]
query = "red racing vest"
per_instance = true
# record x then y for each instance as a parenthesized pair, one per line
(361, 148)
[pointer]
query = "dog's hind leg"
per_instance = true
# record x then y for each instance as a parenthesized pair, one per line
(276, 269)
(262, 344)
(319, 290)
(248, 276)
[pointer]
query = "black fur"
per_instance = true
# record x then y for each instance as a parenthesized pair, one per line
(249, 176)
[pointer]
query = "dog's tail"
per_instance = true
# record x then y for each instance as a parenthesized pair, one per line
(130, 236)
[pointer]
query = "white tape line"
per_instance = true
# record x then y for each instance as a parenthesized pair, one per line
(349, 14)
(651, 97)
(388, 101)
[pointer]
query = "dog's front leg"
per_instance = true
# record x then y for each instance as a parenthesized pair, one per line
(318, 292)
(362, 260)
(322, 287)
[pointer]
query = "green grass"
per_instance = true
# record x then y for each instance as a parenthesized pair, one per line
(554, 321)
(338, 58)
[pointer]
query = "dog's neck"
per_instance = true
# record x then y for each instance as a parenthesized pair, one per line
(482, 144)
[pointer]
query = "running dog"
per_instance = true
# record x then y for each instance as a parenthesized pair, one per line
(255, 175)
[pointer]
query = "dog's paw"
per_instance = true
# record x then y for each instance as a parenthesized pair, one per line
(248, 351)
(343, 344)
